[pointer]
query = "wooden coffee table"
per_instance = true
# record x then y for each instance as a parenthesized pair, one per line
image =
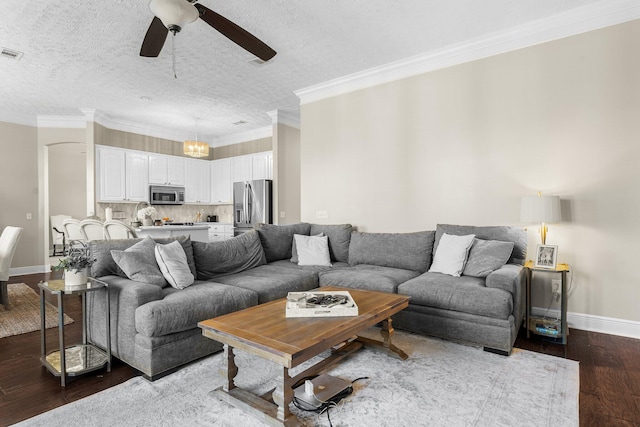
(264, 330)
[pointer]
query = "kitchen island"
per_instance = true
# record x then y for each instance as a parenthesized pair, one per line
(197, 232)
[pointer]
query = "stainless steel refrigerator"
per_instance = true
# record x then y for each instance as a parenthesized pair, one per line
(251, 204)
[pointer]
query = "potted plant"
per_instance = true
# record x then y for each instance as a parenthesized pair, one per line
(145, 215)
(76, 265)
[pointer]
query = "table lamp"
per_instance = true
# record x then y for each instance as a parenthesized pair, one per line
(541, 209)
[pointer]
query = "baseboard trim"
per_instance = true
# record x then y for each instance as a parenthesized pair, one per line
(32, 269)
(593, 323)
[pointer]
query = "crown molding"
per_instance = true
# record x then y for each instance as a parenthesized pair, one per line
(249, 135)
(580, 20)
(65, 122)
(285, 118)
(137, 128)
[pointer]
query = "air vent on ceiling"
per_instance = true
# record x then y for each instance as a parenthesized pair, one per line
(10, 54)
(239, 122)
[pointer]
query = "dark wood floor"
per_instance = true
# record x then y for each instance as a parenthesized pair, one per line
(609, 372)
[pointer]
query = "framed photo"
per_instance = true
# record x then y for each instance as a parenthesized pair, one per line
(546, 256)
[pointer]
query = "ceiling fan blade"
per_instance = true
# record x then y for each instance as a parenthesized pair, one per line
(154, 39)
(236, 34)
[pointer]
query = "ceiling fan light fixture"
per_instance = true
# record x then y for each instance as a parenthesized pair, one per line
(174, 14)
(195, 148)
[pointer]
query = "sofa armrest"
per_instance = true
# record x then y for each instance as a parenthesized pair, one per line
(509, 277)
(125, 296)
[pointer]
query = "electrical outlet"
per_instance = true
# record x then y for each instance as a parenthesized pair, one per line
(322, 214)
(29, 215)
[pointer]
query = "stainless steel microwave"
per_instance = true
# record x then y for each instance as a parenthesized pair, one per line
(164, 195)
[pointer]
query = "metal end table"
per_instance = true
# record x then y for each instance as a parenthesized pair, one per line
(78, 358)
(562, 335)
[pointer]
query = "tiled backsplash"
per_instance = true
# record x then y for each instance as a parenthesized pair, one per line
(180, 213)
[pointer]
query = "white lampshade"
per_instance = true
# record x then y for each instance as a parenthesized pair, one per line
(540, 209)
(174, 13)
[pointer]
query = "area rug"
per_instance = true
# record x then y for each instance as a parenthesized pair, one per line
(24, 313)
(441, 384)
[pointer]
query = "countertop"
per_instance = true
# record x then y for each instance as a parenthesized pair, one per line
(174, 227)
(195, 226)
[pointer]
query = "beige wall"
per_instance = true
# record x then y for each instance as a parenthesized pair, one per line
(67, 179)
(19, 189)
(286, 174)
(243, 148)
(134, 141)
(463, 144)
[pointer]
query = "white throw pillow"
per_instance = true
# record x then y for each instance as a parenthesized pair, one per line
(294, 248)
(313, 250)
(451, 254)
(173, 264)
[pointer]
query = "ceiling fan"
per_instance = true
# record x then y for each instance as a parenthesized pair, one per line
(173, 15)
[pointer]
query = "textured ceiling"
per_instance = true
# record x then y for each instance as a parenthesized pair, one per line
(86, 54)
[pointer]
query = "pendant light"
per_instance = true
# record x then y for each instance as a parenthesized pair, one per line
(195, 148)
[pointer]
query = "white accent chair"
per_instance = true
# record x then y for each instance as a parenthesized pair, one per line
(58, 237)
(8, 244)
(71, 228)
(114, 229)
(92, 229)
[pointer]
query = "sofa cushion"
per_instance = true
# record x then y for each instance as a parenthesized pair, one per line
(370, 277)
(463, 294)
(172, 262)
(409, 251)
(229, 256)
(277, 239)
(451, 255)
(486, 256)
(271, 282)
(106, 266)
(138, 262)
(516, 235)
(316, 268)
(312, 250)
(181, 310)
(339, 239)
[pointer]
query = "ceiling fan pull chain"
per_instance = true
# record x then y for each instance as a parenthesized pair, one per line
(173, 55)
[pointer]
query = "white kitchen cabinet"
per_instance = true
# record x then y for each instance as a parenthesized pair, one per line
(221, 189)
(111, 174)
(241, 168)
(137, 176)
(252, 166)
(220, 232)
(123, 175)
(197, 181)
(262, 165)
(166, 170)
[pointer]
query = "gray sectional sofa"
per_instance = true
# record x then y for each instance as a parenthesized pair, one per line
(154, 326)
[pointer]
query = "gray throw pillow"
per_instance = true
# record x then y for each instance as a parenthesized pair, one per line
(173, 264)
(139, 263)
(486, 256)
(229, 256)
(106, 266)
